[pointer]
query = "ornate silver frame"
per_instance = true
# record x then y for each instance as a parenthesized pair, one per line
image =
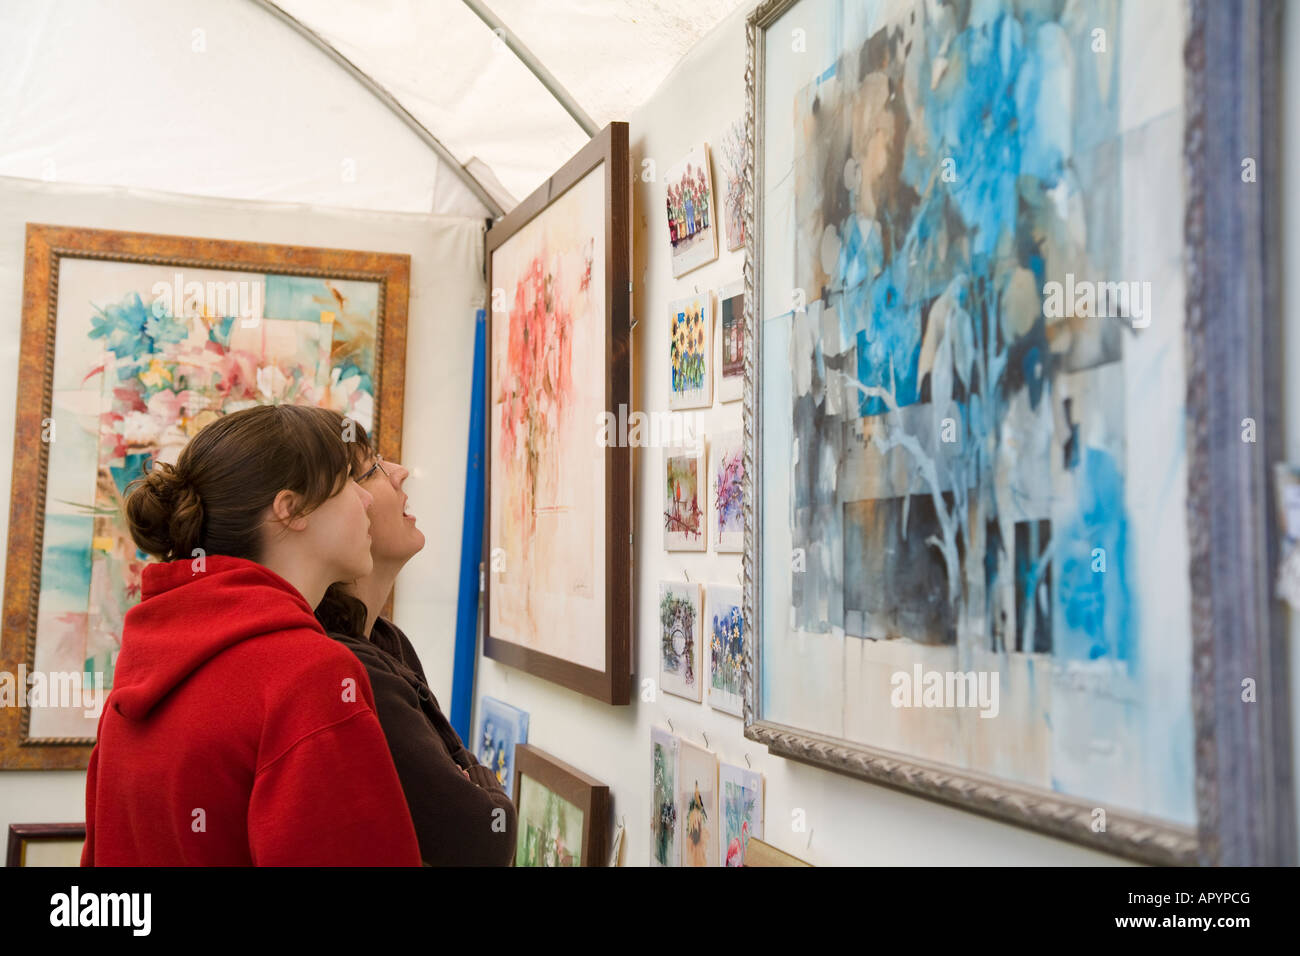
(1245, 810)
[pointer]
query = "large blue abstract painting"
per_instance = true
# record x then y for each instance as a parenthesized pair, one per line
(971, 383)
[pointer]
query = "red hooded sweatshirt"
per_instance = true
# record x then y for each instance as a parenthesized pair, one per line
(238, 733)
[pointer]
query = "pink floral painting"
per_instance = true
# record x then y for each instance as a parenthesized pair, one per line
(546, 507)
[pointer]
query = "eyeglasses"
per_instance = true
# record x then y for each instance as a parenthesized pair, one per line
(379, 464)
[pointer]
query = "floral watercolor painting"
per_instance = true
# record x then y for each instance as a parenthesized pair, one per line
(731, 342)
(664, 817)
(138, 371)
(690, 208)
(741, 793)
(724, 621)
(727, 491)
(691, 320)
(549, 829)
(684, 526)
(680, 635)
(547, 503)
(733, 153)
(697, 795)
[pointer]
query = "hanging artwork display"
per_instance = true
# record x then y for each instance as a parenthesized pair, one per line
(691, 226)
(733, 155)
(727, 491)
(697, 798)
(563, 813)
(130, 344)
(740, 793)
(691, 322)
(731, 341)
(664, 823)
(680, 635)
(971, 458)
(684, 499)
(724, 622)
(501, 728)
(558, 569)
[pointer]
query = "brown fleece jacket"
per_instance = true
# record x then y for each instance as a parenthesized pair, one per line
(458, 822)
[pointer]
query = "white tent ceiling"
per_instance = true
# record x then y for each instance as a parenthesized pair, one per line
(437, 65)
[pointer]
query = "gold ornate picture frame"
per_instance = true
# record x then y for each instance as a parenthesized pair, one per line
(130, 343)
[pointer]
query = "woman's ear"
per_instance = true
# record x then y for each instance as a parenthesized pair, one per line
(282, 510)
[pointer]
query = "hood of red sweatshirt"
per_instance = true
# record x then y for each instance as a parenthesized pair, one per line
(186, 617)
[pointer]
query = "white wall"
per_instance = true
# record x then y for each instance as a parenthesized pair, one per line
(446, 287)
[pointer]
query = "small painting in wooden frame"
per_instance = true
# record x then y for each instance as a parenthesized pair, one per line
(563, 813)
(45, 844)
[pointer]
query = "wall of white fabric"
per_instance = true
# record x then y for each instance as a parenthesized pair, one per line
(225, 98)
(119, 95)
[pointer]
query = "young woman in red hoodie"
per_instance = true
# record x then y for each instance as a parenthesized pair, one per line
(237, 732)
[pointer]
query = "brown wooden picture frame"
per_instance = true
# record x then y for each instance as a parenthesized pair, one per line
(47, 247)
(586, 793)
(21, 834)
(613, 684)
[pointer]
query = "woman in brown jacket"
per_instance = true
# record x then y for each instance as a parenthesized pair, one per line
(462, 816)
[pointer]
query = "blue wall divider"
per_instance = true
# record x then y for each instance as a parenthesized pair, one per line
(471, 548)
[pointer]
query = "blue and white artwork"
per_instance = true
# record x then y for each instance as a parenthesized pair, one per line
(971, 372)
(500, 728)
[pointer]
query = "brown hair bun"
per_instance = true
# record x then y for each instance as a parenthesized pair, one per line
(165, 512)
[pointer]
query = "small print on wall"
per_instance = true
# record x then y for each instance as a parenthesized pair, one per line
(691, 361)
(501, 727)
(731, 341)
(727, 492)
(664, 850)
(684, 526)
(679, 640)
(732, 171)
(724, 623)
(740, 794)
(691, 227)
(697, 795)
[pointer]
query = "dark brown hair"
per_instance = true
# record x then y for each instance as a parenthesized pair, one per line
(215, 495)
(338, 611)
